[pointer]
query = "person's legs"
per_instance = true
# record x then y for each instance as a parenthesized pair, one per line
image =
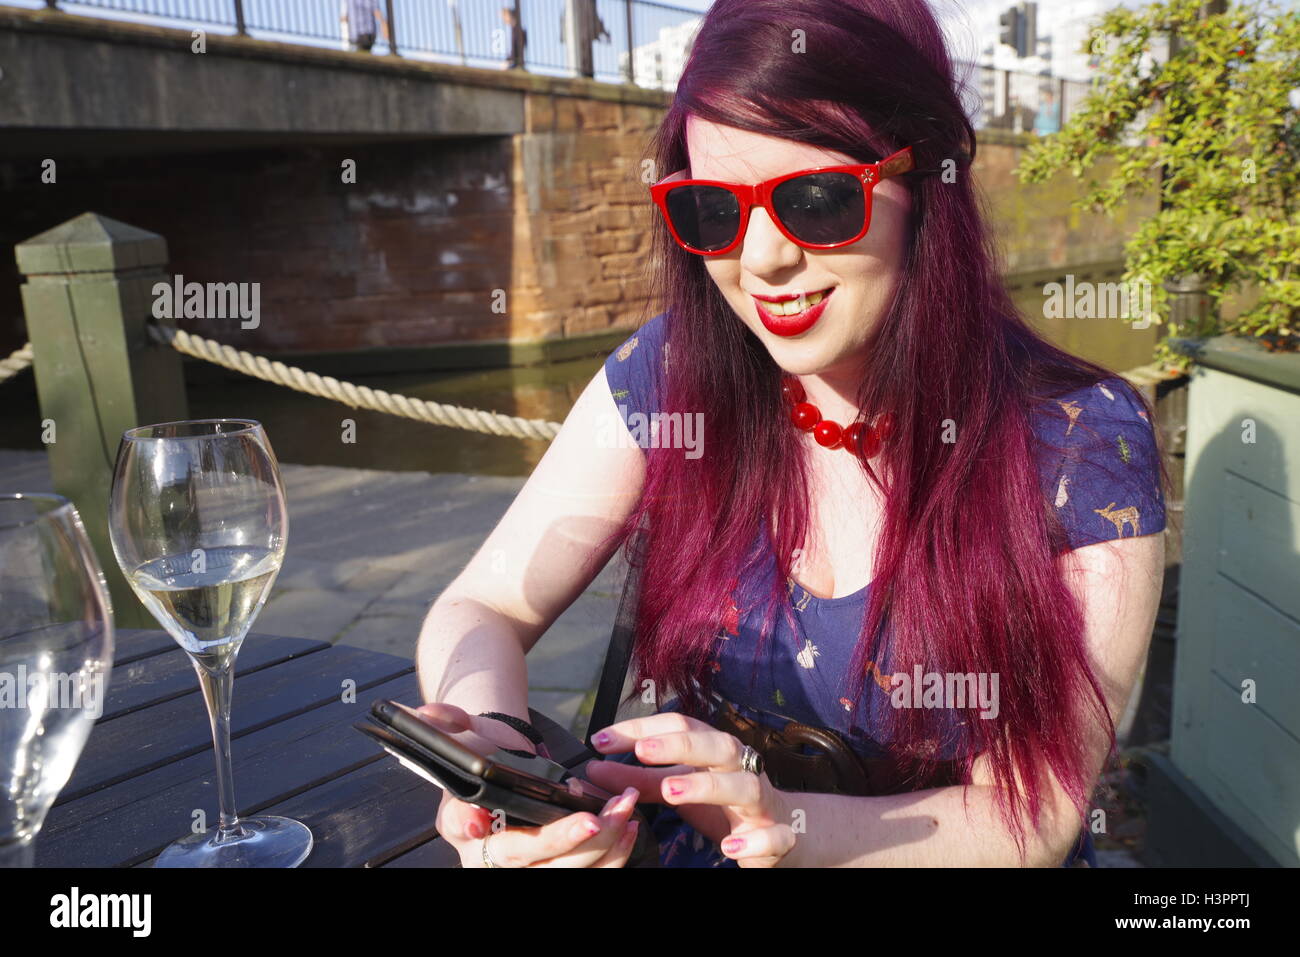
(365, 42)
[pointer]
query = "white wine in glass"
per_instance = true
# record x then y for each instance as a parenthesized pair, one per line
(198, 523)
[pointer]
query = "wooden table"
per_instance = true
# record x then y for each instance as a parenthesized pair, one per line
(148, 765)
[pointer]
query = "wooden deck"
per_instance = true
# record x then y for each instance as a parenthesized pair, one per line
(148, 765)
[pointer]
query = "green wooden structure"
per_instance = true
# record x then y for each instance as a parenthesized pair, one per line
(87, 299)
(1230, 793)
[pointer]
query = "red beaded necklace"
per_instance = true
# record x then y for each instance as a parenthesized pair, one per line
(861, 438)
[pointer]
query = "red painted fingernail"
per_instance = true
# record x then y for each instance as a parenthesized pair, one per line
(733, 844)
(473, 830)
(676, 787)
(601, 738)
(650, 744)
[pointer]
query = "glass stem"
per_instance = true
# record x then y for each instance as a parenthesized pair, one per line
(21, 853)
(218, 687)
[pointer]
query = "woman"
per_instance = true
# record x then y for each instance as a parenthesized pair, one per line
(903, 493)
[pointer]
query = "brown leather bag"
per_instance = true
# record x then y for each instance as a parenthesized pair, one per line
(833, 767)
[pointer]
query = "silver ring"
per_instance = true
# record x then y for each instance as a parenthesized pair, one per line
(487, 858)
(750, 760)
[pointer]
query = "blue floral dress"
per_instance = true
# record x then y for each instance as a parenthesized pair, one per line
(1101, 476)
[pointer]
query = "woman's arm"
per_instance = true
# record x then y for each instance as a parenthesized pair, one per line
(1118, 584)
(542, 554)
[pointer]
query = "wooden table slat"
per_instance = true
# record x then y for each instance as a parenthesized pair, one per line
(134, 819)
(355, 817)
(132, 644)
(134, 743)
(148, 764)
(163, 676)
(435, 853)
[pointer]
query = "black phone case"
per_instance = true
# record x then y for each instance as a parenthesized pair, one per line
(548, 801)
(472, 789)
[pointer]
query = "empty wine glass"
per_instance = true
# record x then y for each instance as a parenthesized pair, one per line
(198, 523)
(56, 650)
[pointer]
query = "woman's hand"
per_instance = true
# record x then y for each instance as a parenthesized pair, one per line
(742, 811)
(578, 840)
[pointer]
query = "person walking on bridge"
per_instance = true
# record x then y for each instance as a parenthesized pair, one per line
(357, 23)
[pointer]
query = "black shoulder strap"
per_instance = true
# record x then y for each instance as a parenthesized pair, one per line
(619, 653)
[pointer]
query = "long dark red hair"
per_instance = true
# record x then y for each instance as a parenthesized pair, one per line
(965, 574)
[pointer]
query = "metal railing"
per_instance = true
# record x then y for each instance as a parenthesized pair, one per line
(620, 41)
(1021, 102)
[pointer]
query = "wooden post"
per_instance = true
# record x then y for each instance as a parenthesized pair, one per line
(631, 57)
(1190, 306)
(87, 298)
(392, 29)
(1005, 86)
(241, 28)
(518, 44)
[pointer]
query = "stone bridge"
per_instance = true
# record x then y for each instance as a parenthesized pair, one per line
(420, 213)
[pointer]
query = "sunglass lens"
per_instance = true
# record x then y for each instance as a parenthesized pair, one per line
(705, 217)
(821, 207)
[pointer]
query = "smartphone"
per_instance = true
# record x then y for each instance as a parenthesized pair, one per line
(493, 781)
(497, 782)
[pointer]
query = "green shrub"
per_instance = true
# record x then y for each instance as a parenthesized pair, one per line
(1219, 114)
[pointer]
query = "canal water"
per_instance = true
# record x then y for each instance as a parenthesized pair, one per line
(311, 431)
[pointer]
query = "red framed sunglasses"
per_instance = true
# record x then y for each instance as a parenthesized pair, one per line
(819, 208)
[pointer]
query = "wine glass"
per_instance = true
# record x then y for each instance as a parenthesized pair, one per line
(56, 650)
(198, 523)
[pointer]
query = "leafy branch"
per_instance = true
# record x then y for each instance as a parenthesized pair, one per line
(1215, 123)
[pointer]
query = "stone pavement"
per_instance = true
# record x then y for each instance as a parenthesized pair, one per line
(369, 551)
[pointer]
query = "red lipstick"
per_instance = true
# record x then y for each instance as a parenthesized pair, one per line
(793, 325)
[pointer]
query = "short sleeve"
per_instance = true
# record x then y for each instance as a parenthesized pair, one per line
(633, 371)
(1099, 464)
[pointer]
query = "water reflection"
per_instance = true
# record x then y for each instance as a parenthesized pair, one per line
(1109, 342)
(309, 431)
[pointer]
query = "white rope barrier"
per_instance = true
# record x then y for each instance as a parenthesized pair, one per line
(354, 396)
(17, 361)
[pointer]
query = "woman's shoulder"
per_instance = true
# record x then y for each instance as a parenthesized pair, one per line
(1099, 461)
(633, 369)
(1105, 402)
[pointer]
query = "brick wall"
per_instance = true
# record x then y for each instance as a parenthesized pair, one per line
(412, 254)
(583, 216)
(1035, 226)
